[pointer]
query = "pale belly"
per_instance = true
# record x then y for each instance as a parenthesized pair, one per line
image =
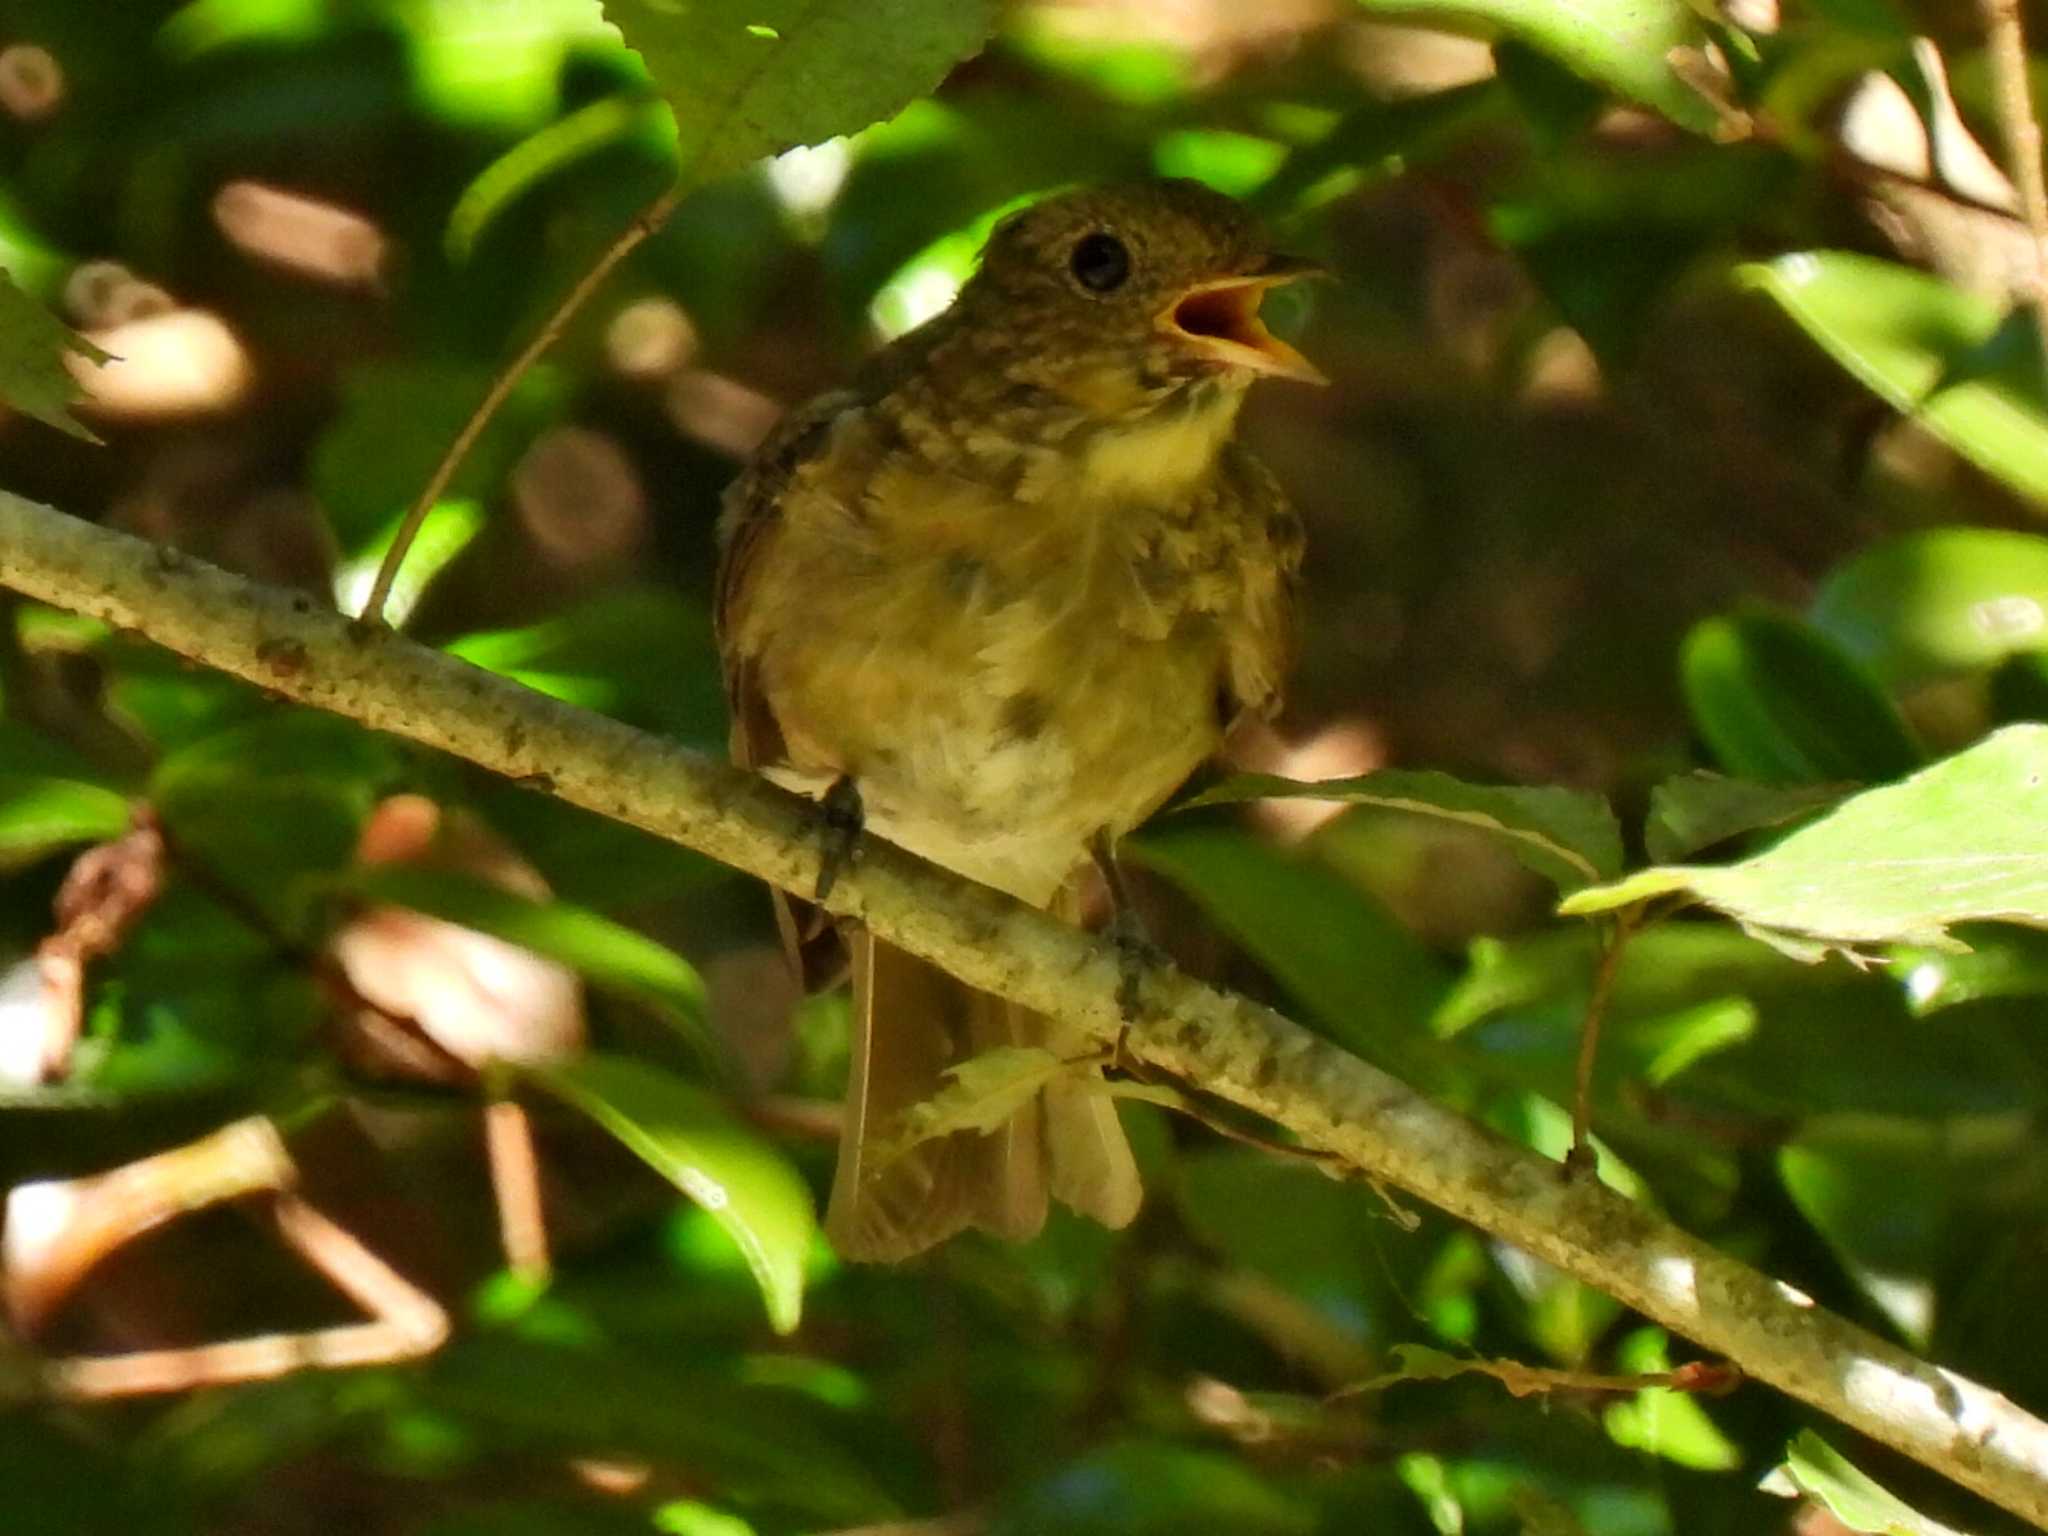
(995, 737)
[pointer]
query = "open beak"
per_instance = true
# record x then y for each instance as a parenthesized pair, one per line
(1219, 321)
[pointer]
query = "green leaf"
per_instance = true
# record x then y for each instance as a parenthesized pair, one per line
(395, 419)
(748, 78)
(1817, 1469)
(582, 133)
(1963, 840)
(40, 814)
(608, 953)
(1359, 974)
(446, 532)
(1700, 810)
(33, 344)
(2000, 962)
(1939, 601)
(1144, 1488)
(596, 655)
(1375, 139)
(1664, 1422)
(690, 1138)
(1624, 45)
(981, 1093)
(1918, 343)
(1569, 838)
(547, 1400)
(1776, 701)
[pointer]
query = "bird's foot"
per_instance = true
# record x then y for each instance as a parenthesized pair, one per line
(838, 819)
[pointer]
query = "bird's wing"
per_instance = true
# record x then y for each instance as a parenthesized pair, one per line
(1262, 646)
(748, 527)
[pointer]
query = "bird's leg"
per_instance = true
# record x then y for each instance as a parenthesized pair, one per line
(1137, 955)
(839, 822)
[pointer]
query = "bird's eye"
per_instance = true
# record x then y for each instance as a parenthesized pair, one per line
(1100, 262)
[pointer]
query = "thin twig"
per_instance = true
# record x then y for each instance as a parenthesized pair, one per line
(515, 1183)
(645, 223)
(1582, 1158)
(1237, 1050)
(2007, 45)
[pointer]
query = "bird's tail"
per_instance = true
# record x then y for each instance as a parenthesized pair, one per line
(911, 1021)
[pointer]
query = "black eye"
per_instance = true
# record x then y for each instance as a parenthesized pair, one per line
(1100, 262)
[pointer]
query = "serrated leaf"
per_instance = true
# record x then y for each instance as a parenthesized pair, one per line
(690, 1138)
(33, 346)
(40, 814)
(1624, 45)
(748, 78)
(1817, 1469)
(1939, 601)
(1569, 838)
(607, 953)
(1917, 342)
(1964, 840)
(981, 1094)
(1777, 701)
(1699, 810)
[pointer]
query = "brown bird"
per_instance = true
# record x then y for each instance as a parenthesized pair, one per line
(999, 598)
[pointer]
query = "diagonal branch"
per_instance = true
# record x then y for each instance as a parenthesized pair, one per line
(1235, 1049)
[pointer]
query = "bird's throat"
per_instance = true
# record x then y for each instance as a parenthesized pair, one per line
(1159, 454)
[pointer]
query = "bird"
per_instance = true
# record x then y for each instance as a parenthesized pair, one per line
(995, 601)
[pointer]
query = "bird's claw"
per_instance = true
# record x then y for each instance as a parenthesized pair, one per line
(839, 818)
(1137, 958)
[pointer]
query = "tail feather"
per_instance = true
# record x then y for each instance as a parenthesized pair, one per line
(911, 1022)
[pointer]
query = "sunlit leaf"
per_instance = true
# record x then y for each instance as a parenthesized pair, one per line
(1699, 810)
(606, 952)
(981, 1093)
(1963, 840)
(693, 1141)
(1664, 1422)
(1817, 1469)
(1941, 600)
(1917, 341)
(2000, 962)
(33, 346)
(39, 815)
(1624, 45)
(1780, 703)
(597, 656)
(1569, 838)
(446, 532)
(748, 78)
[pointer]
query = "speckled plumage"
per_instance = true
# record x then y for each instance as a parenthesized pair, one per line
(1016, 583)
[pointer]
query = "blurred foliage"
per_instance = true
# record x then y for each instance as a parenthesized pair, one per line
(1677, 463)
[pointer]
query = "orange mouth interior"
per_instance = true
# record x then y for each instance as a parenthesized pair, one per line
(1220, 321)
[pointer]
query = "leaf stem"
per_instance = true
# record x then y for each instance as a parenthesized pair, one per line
(645, 223)
(1581, 1158)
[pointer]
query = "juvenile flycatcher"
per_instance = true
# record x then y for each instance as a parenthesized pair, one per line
(999, 598)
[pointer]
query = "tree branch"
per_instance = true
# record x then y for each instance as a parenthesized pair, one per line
(1232, 1047)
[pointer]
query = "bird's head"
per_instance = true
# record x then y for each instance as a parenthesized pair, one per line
(1118, 297)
